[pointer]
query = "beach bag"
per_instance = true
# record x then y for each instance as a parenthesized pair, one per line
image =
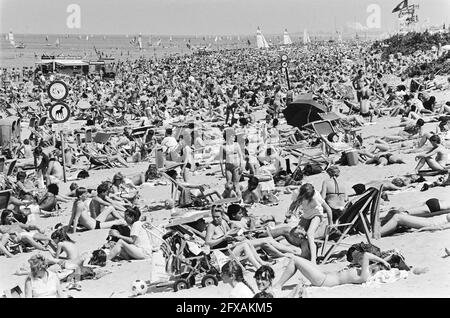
(83, 174)
(312, 169)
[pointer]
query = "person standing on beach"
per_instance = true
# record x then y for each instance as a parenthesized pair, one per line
(359, 84)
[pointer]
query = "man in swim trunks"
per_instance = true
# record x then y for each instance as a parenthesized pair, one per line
(80, 214)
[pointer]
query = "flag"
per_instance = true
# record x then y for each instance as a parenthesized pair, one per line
(402, 5)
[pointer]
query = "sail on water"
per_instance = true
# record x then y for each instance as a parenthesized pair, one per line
(140, 41)
(11, 38)
(306, 39)
(260, 40)
(286, 38)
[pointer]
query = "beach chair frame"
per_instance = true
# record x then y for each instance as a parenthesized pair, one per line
(372, 196)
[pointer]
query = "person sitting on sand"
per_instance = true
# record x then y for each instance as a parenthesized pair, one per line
(358, 254)
(99, 205)
(41, 283)
(138, 245)
(233, 275)
(439, 162)
(310, 202)
(80, 214)
(19, 232)
(237, 220)
(229, 191)
(54, 172)
(219, 235)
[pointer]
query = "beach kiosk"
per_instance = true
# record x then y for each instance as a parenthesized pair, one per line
(10, 130)
(69, 65)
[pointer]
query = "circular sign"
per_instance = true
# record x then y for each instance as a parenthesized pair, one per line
(57, 90)
(284, 64)
(284, 57)
(59, 112)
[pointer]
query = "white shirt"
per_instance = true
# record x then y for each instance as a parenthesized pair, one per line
(169, 143)
(143, 239)
(241, 291)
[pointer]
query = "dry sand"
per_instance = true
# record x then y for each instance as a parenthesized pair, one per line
(422, 249)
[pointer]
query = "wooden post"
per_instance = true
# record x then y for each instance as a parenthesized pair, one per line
(63, 153)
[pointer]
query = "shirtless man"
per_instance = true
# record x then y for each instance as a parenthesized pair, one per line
(357, 255)
(219, 234)
(99, 205)
(54, 172)
(437, 163)
(80, 214)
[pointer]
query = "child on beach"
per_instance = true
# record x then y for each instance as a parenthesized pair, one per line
(232, 274)
(310, 202)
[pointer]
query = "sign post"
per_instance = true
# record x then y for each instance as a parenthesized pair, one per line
(284, 67)
(59, 113)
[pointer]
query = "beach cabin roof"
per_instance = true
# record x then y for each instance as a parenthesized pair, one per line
(64, 62)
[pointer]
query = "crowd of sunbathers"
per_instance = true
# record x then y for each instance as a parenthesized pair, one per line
(187, 118)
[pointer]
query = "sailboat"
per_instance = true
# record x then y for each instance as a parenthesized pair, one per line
(57, 42)
(140, 41)
(306, 39)
(13, 42)
(46, 40)
(87, 37)
(286, 38)
(260, 40)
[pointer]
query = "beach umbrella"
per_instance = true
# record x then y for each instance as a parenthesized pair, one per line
(303, 110)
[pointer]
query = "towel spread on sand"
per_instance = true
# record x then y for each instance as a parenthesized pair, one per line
(385, 276)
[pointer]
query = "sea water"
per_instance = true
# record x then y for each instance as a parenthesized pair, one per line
(117, 46)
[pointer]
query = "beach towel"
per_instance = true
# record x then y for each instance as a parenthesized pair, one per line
(385, 276)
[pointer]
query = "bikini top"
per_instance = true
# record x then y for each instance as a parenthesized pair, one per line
(336, 189)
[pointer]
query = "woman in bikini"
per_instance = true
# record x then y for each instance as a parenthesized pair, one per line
(234, 160)
(334, 195)
(357, 254)
(81, 215)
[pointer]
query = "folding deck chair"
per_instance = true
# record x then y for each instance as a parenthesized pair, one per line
(323, 129)
(354, 219)
(185, 197)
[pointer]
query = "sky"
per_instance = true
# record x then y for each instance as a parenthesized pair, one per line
(206, 17)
